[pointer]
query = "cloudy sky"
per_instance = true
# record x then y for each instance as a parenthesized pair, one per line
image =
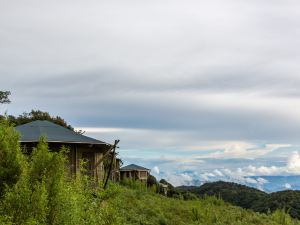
(199, 87)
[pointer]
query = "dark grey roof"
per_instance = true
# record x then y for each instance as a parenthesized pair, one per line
(31, 132)
(133, 167)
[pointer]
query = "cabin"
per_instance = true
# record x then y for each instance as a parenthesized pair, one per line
(164, 188)
(135, 172)
(81, 147)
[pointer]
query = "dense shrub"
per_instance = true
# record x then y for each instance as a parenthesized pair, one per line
(151, 181)
(134, 184)
(12, 161)
(43, 193)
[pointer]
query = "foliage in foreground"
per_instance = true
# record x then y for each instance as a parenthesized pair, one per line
(43, 193)
(12, 160)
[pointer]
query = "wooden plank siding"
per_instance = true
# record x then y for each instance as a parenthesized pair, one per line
(75, 155)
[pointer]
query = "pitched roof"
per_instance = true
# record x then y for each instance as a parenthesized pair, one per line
(133, 167)
(31, 132)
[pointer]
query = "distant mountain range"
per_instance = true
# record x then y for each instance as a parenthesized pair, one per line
(265, 183)
(249, 197)
(279, 183)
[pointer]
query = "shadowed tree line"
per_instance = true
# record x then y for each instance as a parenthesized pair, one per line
(4, 97)
(31, 116)
(250, 198)
(37, 115)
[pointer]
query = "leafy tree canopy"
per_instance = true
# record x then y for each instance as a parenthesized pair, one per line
(38, 115)
(152, 181)
(11, 157)
(4, 97)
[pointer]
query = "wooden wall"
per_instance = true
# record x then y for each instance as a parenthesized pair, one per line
(75, 155)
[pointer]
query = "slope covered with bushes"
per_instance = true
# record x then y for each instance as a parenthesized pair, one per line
(37, 190)
(130, 206)
(250, 198)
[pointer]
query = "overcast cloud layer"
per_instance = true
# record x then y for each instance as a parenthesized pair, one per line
(218, 79)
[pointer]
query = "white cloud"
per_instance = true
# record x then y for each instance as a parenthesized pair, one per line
(293, 164)
(155, 170)
(292, 167)
(244, 174)
(262, 181)
(218, 173)
(287, 186)
(180, 179)
(180, 141)
(245, 150)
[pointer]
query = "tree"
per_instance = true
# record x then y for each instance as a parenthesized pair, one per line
(151, 181)
(4, 97)
(11, 158)
(39, 115)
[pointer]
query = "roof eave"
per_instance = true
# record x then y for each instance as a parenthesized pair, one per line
(66, 142)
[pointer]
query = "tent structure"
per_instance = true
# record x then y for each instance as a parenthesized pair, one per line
(80, 146)
(133, 171)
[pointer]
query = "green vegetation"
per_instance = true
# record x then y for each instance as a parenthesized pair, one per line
(31, 116)
(4, 97)
(288, 200)
(37, 190)
(123, 205)
(250, 198)
(11, 158)
(37, 115)
(179, 193)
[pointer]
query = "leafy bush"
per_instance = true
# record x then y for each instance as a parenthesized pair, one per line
(12, 161)
(43, 192)
(151, 181)
(134, 184)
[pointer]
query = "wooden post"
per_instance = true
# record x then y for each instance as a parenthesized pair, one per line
(111, 163)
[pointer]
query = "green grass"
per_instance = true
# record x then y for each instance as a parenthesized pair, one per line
(122, 205)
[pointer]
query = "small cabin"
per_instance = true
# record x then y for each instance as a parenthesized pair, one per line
(80, 147)
(164, 188)
(135, 172)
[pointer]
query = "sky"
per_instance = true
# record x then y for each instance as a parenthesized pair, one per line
(195, 90)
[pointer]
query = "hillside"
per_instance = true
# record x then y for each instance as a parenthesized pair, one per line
(122, 205)
(250, 198)
(289, 200)
(37, 190)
